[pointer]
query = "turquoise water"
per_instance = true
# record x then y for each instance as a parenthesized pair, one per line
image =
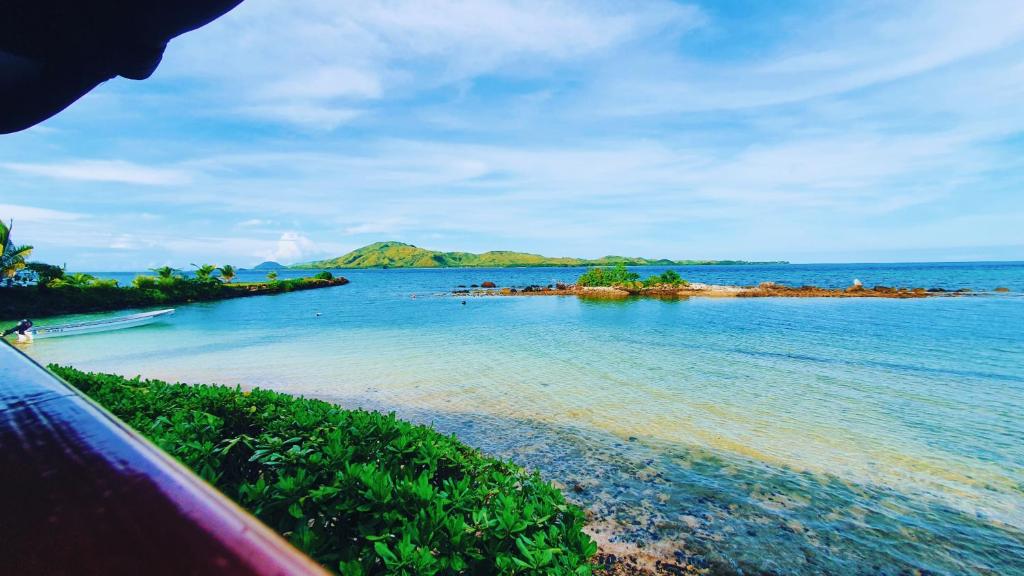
(804, 436)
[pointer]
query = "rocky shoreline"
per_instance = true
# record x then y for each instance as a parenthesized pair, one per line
(682, 291)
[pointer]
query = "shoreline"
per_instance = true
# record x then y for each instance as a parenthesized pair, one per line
(31, 301)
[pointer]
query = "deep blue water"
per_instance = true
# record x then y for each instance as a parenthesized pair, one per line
(778, 435)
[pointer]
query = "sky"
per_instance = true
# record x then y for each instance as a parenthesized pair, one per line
(861, 131)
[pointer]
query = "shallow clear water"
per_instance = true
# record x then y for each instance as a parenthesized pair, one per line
(855, 436)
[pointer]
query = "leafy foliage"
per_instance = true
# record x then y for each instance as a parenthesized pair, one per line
(77, 280)
(617, 275)
(227, 272)
(620, 277)
(325, 275)
(84, 293)
(361, 492)
(670, 277)
(205, 272)
(12, 256)
(45, 273)
(165, 272)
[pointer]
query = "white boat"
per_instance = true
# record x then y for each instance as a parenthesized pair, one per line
(104, 325)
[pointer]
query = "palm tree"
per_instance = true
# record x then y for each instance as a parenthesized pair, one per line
(77, 280)
(205, 272)
(12, 257)
(164, 272)
(272, 276)
(227, 273)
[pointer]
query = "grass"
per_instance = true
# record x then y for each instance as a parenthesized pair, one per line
(361, 492)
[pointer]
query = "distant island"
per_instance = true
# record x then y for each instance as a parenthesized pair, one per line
(269, 265)
(400, 255)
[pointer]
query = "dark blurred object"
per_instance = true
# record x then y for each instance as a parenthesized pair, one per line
(84, 494)
(52, 52)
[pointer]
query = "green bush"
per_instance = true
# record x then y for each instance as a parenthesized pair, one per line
(45, 273)
(668, 277)
(617, 275)
(145, 282)
(361, 492)
(325, 275)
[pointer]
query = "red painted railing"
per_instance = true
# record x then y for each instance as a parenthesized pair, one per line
(81, 493)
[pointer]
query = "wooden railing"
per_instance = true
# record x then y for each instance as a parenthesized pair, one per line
(81, 493)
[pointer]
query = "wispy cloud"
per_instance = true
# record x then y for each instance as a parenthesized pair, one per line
(116, 171)
(33, 214)
(324, 58)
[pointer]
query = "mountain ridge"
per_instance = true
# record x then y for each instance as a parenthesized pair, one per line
(394, 254)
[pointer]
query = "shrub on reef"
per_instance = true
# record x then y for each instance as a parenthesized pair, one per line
(615, 276)
(620, 277)
(670, 277)
(325, 275)
(361, 492)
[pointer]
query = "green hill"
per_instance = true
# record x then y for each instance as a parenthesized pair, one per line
(401, 255)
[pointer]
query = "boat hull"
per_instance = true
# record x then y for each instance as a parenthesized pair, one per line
(106, 325)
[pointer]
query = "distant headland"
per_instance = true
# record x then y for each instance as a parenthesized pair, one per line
(400, 255)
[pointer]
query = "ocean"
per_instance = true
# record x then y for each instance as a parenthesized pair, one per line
(761, 435)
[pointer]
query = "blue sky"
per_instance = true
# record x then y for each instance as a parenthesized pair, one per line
(806, 131)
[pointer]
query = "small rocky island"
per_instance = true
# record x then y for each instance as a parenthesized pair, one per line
(618, 283)
(696, 289)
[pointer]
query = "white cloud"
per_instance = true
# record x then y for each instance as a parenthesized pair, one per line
(252, 223)
(20, 213)
(853, 48)
(313, 116)
(324, 83)
(116, 171)
(127, 242)
(308, 63)
(383, 226)
(292, 247)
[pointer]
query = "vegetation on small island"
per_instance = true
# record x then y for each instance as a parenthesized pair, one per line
(619, 276)
(401, 255)
(361, 492)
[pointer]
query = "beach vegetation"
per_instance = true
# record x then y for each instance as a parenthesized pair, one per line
(146, 282)
(227, 273)
(12, 256)
(164, 272)
(360, 492)
(272, 276)
(669, 277)
(77, 280)
(45, 273)
(617, 275)
(205, 272)
(75, 293)
(325, 275)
